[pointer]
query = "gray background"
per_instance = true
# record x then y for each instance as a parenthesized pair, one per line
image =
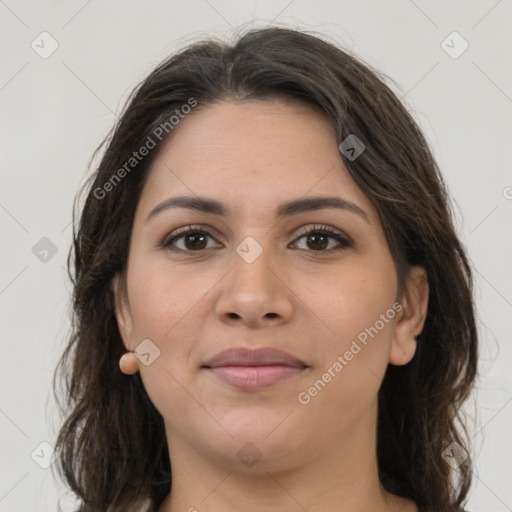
(55, 111)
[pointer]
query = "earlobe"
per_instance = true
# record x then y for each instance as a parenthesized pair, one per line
(411, 318)
(122, 309)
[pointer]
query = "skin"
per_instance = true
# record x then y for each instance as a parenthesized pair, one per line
(253, 156)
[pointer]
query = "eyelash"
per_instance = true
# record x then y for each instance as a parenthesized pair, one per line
(342, 240)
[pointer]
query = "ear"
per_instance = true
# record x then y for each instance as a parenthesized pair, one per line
(411, 318)
(122, 310)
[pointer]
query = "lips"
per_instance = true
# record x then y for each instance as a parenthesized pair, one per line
(253, 370)
(255, 357)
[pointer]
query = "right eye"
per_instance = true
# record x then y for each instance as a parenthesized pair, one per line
(193, 239)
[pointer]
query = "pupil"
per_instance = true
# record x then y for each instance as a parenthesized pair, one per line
(195, 238)
(315, 238)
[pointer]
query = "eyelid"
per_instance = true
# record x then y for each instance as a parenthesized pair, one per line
(305, 230)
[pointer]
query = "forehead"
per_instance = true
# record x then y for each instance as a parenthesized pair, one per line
(252, 154)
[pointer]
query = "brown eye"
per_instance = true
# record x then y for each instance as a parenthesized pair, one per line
(318, 239)
(195, 241)
(191, 239)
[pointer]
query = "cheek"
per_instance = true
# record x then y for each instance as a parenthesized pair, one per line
(350, 301)
(357, 311)
(163, 304)
(169, 307)
(161, 299)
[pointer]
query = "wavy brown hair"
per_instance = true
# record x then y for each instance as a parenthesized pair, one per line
(111, 448)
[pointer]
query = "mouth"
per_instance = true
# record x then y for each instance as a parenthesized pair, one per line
(253, 370)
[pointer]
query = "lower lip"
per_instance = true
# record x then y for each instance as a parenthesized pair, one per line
(253, 378)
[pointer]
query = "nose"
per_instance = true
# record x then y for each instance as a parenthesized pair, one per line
(256, 294)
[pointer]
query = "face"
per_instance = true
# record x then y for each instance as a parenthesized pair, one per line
(315, 280)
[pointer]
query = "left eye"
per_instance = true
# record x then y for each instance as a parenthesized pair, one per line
(320, 236)
(318, 239)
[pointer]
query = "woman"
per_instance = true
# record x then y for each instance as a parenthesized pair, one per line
(272, 310)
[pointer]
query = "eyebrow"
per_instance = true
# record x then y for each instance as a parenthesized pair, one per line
(294, 207)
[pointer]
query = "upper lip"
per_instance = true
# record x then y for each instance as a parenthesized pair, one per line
(242, 356)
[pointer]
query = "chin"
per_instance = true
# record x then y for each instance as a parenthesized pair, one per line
(259, 449)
